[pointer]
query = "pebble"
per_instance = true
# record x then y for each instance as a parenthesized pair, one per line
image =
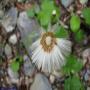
(41, 83)
(57, 74)
(83, 1)
(85, 55)
(20, 1)
(87, 75)
(55, 89)
(28, 80)
(88, 88)
(8, 88)
(8, 51)
(29, 69)
(52, 79)
(2, 72)
(13, 39)
(1, 14)
(29, 30)
(13, 75)
(66, 3)
(10, 19)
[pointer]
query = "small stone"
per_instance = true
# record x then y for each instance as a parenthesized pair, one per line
(8, 88)
(57, 74)
(86, 76)
(83, 1)
(41, 83)
(66, 3)
(28, 80)
(13, 75)
(88, 88)
(29, 69)
(86, 55)
(20, 1)
(10, 19)
(13, 39)
(1, 14)
(52, 78)
(29, 29)
(56, 89)
(8, 51)
(2, 73)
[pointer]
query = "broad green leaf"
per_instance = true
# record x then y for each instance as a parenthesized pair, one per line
(48, 6)
(73, 65)
(67, 84)
(44, 19)
(61, 32)
(79, 36)
(75, 23)
(45, 16)
(73, 83)
(86, 14)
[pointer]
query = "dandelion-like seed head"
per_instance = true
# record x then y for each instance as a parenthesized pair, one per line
(49, 52)
(48, 41)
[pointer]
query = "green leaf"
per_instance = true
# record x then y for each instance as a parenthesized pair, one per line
(44, 19)
(75, 23)
(73, 65)
(79, 36)
(48, 6)
(30, 12)
(45, 15)
(67, 84)
(73, 83)
(61, 32)
(86, 14)
(15, 66)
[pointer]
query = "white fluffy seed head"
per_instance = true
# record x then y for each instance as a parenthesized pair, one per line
(48, 40)
(55, 59)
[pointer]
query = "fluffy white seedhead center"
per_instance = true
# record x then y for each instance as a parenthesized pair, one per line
(48, 40)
